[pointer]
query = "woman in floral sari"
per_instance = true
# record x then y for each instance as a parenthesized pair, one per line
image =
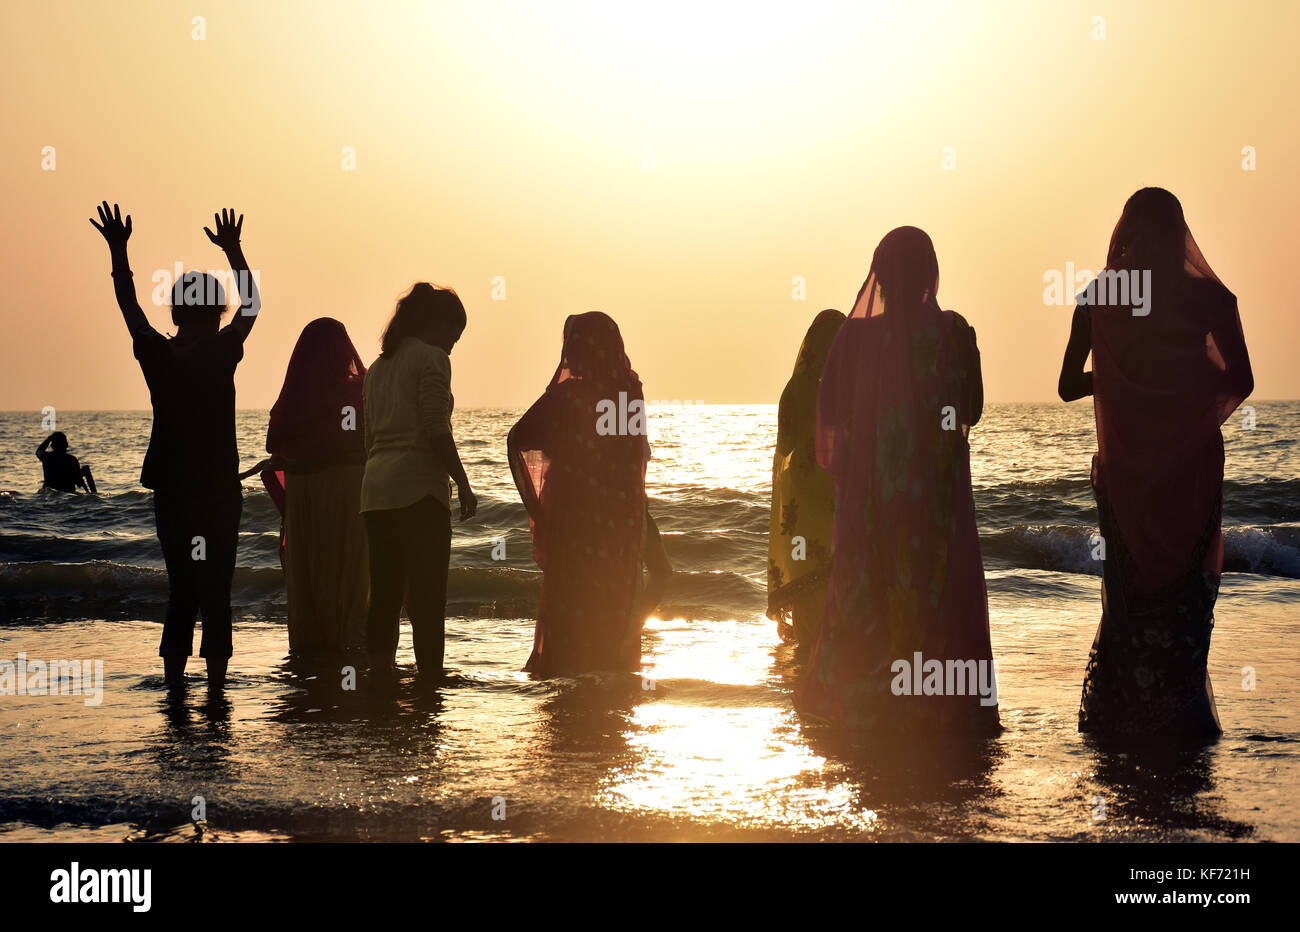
(578, 456)
(900, 390)
(803, 499)
(1166, 374)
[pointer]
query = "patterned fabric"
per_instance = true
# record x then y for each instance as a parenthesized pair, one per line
(1164, 381)
(585, 494)
(803, 498)
(906, 576)
(1147, 672)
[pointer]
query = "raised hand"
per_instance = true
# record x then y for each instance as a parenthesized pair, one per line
(111, 226)
(228, 229)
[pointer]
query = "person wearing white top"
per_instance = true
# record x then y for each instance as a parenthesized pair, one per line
(411, 459)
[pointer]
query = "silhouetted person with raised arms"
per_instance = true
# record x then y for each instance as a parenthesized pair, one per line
(1168, 370)
(192, 464)
(62, 470)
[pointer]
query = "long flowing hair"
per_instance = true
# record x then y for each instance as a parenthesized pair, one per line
(417, 310)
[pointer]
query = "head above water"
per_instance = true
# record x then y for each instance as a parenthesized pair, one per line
(59, 441)
(198, 302)
(426, 312)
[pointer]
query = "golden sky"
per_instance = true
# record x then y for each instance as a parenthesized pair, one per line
(677, 164)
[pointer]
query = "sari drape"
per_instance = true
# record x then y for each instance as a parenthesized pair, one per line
(1163, 384)
(803, 497)
(584, 489)
(906, 573)
(316, 429)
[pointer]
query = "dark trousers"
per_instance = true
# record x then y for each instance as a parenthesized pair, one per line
(198, 577)
(409, 551)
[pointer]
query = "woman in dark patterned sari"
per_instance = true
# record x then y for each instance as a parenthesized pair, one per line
(1167, 372)
(899, 392)
(803, 499)
(578, 457)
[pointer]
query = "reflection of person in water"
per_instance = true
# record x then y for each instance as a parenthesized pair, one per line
(62, 471)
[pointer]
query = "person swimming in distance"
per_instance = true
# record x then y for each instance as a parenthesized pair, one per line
(62, 471)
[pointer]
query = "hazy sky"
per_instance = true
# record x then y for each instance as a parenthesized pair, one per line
(675, 164)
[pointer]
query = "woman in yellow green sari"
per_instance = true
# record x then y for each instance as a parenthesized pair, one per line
(803, 497)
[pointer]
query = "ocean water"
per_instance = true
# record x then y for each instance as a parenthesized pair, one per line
(705, 746)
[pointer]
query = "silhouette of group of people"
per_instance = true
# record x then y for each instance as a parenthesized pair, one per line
(874, 553)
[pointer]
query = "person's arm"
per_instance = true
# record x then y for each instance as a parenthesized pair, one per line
(659, 566)
(829, 429)
(434, 395)
(1074, 382)
(1231, 344)
(40, 451)
(530, 433)
(518, 470)
(974, 400)
(116, 233)
(250, 302)
(76, 468)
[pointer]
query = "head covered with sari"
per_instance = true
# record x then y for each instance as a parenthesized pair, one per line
(1163, 384)
(325, 377)
(906, 570)
(883, 376)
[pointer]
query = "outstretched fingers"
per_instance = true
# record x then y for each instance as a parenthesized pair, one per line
(110, 222)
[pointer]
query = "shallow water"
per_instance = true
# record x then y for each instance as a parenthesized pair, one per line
(705, 746)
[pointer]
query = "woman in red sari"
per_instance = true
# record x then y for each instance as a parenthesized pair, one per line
(318, 455)
(1166, 375)
(899, 392)
(578, 456)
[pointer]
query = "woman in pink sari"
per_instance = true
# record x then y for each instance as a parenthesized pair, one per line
(578, 456)
(318, 455)
(1167, 372)
(900, 390)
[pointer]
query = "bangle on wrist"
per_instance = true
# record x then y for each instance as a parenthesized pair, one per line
(126, 272)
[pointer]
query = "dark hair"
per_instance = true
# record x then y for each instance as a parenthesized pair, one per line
(59, 440)
(197, 299)
(423, 306)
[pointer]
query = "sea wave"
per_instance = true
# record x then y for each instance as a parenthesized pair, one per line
(47, 591)
(1265, 551)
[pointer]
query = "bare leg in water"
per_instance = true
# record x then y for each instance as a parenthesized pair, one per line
(174, 670)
